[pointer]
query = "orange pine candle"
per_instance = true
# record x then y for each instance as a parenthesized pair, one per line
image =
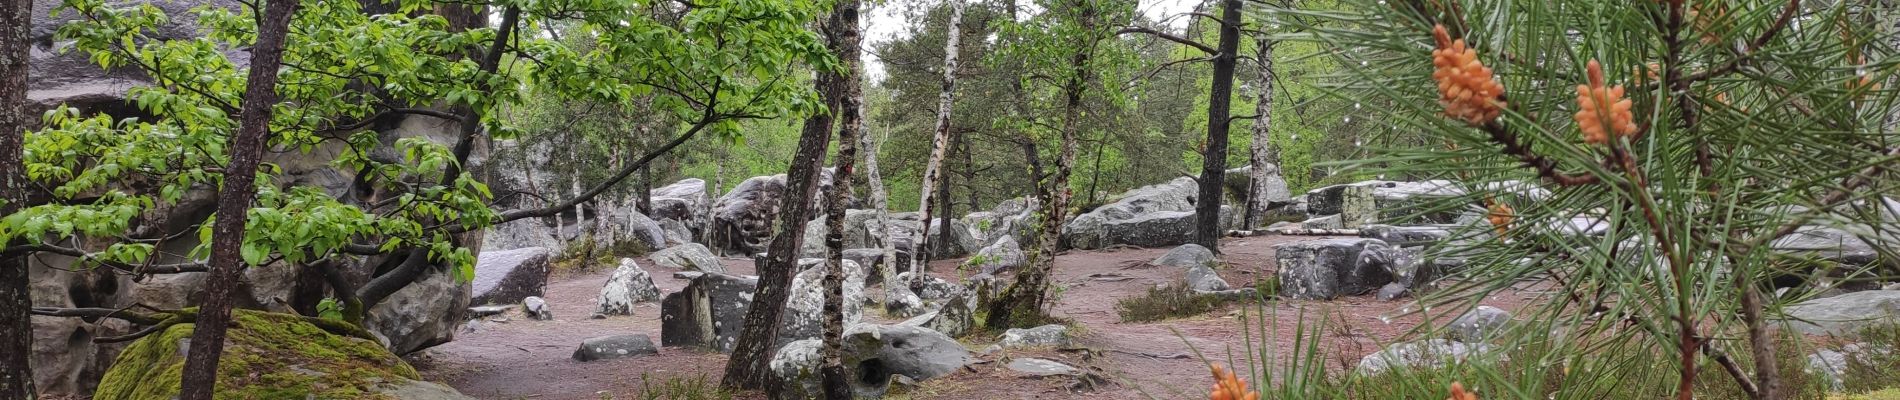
(1458, 393)
(1227, 386)
(1466, 88)
(1602, 111)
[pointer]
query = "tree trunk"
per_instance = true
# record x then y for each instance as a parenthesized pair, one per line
(945, 210)
(749, 365)
(1214, 161)
(1024, 297)
(1264, 190)
(940, 144)
(843, 34)
(644, 200)
(881, 201)
(16, 335)
(200, 373)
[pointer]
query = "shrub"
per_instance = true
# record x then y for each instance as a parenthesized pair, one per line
(1165, 302)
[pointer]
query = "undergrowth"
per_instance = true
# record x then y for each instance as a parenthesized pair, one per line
(681, 388)
(1167, 302)
(1539, 359)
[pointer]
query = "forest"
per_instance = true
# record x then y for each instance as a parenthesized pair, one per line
(946, 199)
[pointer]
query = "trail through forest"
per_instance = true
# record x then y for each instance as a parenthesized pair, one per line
(527, 359)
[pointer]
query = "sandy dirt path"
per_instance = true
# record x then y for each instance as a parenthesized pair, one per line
(525, 359)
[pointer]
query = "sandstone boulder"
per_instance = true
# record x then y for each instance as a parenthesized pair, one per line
(629, 285)
(507, 276)
(1328, 268)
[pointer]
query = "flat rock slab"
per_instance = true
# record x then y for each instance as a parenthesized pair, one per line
(1041, 336)
(610, 347)
(1039, 367)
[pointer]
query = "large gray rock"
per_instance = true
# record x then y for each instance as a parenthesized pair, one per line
(629, 285)
(507, 276)
(1357, 207)
(997, 257)
(677, 233)
(872, 356)
(1239, 182)
(930, 287)
(1092, 230)
(1410, 269)
(742, 220)
(915, 352)
(1424, 354)
(1198, 265)
(708, 313)
(1394, 202)
(805, 307)
(688, 257)
(797, 364)
(1328, 268)
(955, 318)
(872, 260)
(1478, 324)
(680, 201)
(1831, 365)
(1845, 314)
(422, 315)
(611, 347)
(1052, 335)
(1164, 228)
(1152, 229)
(1829, 244)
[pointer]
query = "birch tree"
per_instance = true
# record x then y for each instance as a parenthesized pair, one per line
(940, 142)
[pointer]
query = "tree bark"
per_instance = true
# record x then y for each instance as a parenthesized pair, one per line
(881, 201)
(1024, 297)
(1214, 160)
(748, 367)
(16, 335)
(1266, 160)
(842, 33)
(200, 372)
(940, 144)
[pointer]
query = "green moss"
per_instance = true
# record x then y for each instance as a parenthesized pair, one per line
(266, 356)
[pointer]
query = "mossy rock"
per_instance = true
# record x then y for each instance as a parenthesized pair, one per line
(266, 356)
